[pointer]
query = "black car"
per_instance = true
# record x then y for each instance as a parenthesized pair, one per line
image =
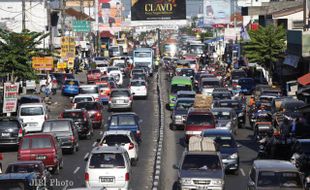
(29, 167)
(227, 146)
(11, 131)
(81, 120)
(65, 131)
(237, 106)
(21, 181)
(179, 112)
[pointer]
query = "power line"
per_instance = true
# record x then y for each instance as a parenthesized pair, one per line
(10, 11)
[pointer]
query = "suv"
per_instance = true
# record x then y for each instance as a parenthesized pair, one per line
(179, 112)
(226, 118)
(237, 106)
(91, 90)
(33, 115)
(120, 99)
(20, 181)
(201, 166)
(81, 120)
(274, 174)
(126, 139)
(108, 167)
(81, 98)
(11, 131)
(41, 146)
(198, 119)
(65, 131)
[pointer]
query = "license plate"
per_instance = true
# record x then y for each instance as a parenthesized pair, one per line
(202, 188)
(32, 124)
(41, 157)
(5, 134)
(119, 101)
(106, 179)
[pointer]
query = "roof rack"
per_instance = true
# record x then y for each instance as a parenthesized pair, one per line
(201, 144)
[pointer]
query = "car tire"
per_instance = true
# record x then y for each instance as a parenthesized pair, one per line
(56, 169)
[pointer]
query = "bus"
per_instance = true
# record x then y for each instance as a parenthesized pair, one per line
(144, 57)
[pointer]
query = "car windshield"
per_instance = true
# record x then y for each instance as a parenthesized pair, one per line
(111, 140)
(89, 90)
(181, 105)
(222, 115)
(87, 105)
(56, 126)
(23, 168)
(10, 124)
(222, 141)
(82, 99)
(200, 120)
(246, 81)
(112, 69)
(120, 93)
(186, 95)
(122, 120)
(71, 82)
(73, 115)
(31, 111)
(201, 162)
(107, 160)
(287, 180)
(175, 88)
(25, 100)
(138, 76)
(137, 83)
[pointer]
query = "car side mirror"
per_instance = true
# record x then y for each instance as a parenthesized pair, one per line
(176, 167)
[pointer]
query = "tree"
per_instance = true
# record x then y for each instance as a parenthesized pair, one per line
(16, 51)
(267, 45)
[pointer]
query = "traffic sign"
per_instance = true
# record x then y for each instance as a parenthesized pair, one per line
(81, 26)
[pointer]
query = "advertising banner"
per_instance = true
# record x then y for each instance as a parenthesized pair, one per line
(10, 97)
(67, 47)
(78, 3)
(110, 15)
(43, 63)
(216, 12)
(158, 10)
(306, 44)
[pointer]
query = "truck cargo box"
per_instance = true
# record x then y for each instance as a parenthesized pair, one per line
(203, 101)
(201, 144)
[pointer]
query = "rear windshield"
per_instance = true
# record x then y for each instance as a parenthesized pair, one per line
(222, 115)
(122, 120)
(211, 84)
(89, 90)
(111, 140)
(83, 99)
(279, 179)
(94, 71)
(31, 111)
(25, 100)
(219, 96)
(238, 75)
(102, 65)
(71, 82)
(120, 93)
(180, 105)
(137, 83)
(222, 141)
(175, 88)
(107, 160)
(234, 105)
(73, 115)
(201, 162)
(186, 96)
(87, 105)
(36, 143)
(200, 120)
(10, 124)
(56, 126)
(23, 168)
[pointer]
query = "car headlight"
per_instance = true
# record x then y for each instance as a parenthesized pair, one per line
(233, 156)
(178, 117)
(186, 181)
(218, 182)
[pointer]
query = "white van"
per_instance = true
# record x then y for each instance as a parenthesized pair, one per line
(32, 115)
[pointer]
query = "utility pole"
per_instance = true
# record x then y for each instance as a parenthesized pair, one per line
(23, 15)
(62, 8)
(49, 26)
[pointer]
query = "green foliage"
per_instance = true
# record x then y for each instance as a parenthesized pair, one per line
(267, 45)
(16, 51)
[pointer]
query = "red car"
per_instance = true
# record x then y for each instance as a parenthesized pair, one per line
(44, 147)
(93, 76)
(198, 119)
(95, 112)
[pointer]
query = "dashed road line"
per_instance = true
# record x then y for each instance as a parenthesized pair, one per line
(94, 144)
(86, 155)
(242, 172)
(76, 170)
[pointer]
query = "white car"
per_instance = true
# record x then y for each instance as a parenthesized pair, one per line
(108, 167)
(81, 98)
(33, 116)
(117, 75)
(138, 88)
(123, 138)
(90, 90)
(103, 67)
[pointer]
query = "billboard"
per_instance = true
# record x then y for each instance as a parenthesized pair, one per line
(158, 9)
(110, 15)
(216, 12)
(10, 97)
(43, 63)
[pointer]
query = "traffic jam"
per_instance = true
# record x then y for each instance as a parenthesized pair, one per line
(103, 120)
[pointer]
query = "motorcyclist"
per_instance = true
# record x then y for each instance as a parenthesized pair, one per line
(252, 101)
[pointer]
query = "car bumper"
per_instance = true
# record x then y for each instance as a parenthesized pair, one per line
(119, 106)
(9, 141)
(91, 184)
(230, 164)
(204, 187)
(139, 93)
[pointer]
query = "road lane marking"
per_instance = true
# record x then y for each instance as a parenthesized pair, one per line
(242, 172)
(94, 144)
(76, 170)
(86, 155)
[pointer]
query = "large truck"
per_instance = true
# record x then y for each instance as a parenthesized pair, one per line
(143, 57)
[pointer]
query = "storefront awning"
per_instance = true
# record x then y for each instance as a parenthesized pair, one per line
(304, 80)
(291, 60)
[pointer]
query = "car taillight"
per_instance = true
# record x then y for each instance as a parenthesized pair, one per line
(20, 133)
(97, 116)
(131, 146)
(86, 177)
(127, 177)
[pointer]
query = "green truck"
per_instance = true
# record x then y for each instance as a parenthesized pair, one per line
(178, 83)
